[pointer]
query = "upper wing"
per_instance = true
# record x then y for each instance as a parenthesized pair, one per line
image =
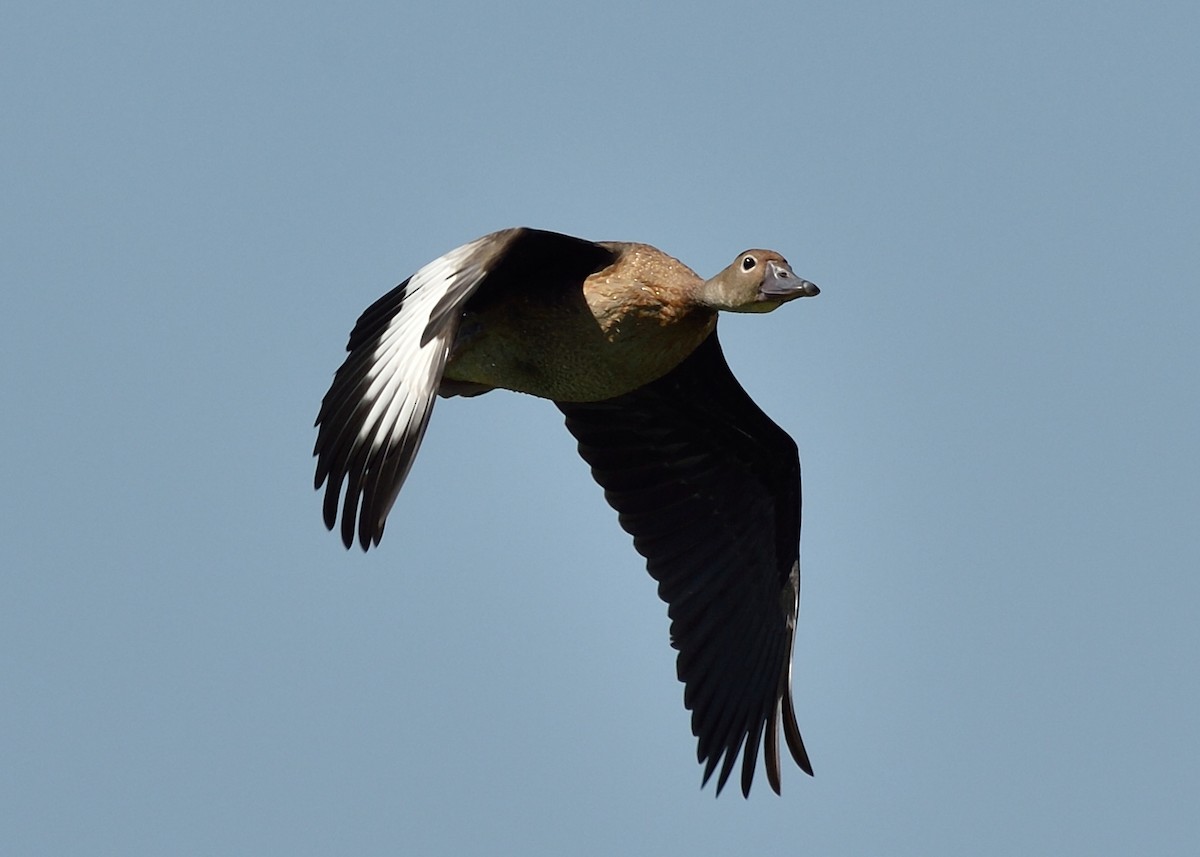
(374, 416)
(709, 487)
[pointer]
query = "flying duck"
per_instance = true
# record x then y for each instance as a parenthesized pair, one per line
(623, 339)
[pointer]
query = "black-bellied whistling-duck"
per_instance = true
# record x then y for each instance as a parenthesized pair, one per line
(623, 339)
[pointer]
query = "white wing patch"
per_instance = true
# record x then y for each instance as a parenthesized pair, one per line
(404, 374)
(374, 416)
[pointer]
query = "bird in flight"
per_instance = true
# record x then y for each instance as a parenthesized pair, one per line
(623, 339)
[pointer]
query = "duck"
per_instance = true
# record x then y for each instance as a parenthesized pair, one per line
(622, 338)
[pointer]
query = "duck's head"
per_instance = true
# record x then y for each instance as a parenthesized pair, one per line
(756, 281)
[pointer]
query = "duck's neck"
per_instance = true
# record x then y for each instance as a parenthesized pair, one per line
(715, 294)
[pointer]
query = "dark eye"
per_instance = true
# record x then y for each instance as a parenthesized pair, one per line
(748, 263)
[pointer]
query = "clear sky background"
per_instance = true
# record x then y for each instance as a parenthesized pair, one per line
(995, 398)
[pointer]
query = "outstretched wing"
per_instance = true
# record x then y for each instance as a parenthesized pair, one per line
(374, 416)
(709, 488)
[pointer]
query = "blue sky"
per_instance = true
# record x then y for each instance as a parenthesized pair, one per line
(995, 398)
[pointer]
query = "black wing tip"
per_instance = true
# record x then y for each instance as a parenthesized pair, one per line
(791, 733)
(725, 757)
(723, 777)
(351, 508)
(354, 525)
(352, 532)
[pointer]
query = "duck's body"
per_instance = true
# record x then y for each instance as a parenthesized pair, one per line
(628, 323)
(623, 338)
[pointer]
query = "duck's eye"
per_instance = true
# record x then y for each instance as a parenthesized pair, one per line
(748, 263)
